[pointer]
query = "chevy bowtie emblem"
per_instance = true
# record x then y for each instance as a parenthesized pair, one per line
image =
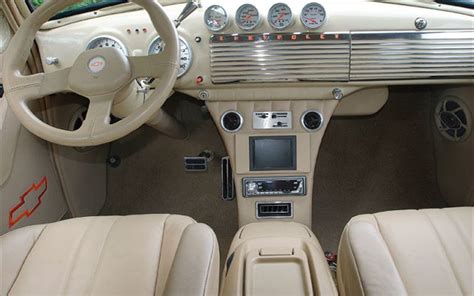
(97, 64)
(29, 202)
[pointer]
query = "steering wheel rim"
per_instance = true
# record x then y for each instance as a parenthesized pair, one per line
(97, 74)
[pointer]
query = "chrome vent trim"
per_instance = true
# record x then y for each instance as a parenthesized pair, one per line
(279, 57)
(411, 55)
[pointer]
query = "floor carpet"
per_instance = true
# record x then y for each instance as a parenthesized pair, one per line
(376, 163)
(151, 177)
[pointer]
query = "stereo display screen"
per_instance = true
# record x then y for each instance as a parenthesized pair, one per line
(273, 153)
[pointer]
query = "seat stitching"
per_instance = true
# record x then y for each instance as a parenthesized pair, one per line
(26, 257)
(161, 252)
(99, 262)
(209, 265)
(389, 252)
(75, 256)
(438, 236)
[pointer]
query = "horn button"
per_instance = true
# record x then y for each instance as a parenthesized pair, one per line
(99, 71)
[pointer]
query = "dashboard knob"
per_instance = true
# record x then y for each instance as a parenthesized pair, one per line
(232, 121)
(312, 120)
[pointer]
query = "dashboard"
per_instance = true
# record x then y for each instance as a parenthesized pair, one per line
(234, 50)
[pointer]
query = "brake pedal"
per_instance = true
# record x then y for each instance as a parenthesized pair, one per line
(227, 179)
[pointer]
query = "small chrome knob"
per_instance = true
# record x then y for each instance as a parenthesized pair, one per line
(52, 61)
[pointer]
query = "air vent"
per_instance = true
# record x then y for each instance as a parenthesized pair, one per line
(231, 121)
(453, 119)
(227, 179)
(279, 57)
(274, 210)
(312, 120)
(411, 55)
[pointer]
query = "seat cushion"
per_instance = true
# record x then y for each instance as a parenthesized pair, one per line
(129, 255)
(415, 252)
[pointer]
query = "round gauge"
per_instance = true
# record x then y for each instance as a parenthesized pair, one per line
(280, 16)
(105, 41)
(215, 18)
(247, 17)
(313, 15)
(186, 58)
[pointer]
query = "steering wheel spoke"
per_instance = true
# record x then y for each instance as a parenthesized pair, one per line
(39, 85)
(98, 114)
(152, 66)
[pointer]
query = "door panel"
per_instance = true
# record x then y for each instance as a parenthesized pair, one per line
(30, 191)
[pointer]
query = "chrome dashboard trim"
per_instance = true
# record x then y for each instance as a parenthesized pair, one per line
(341, 56)
(279, 57)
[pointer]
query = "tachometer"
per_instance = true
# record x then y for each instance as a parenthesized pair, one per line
(280, 16)
(215, 18)
(313, 15)
(106, 41)
(186, 58)
(247, 17)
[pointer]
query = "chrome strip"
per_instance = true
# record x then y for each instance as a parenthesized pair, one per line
(341, 56)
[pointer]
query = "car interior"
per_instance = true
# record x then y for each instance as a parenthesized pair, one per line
(211, 147)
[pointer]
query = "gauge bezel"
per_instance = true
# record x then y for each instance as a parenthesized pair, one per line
(226, 23)
(318, 26)
(292, 21)
(181, 39)
(108, 37)
(237, 17)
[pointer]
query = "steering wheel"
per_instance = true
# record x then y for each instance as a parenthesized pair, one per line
(97, 74)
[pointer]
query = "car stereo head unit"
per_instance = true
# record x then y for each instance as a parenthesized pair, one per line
(274, 186)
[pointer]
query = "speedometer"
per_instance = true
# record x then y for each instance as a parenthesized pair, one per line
(186, 55)
(280, 16)
(216, 18)
(106, 41)
(247, 17)
(313, 15)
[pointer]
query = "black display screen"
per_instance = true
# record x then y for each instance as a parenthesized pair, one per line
(272, 153)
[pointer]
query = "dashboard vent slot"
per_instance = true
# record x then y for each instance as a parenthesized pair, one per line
(279, 57)
(411, 55)
(274, 210)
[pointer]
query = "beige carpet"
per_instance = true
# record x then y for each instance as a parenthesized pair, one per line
(377, 163)
(151, 177)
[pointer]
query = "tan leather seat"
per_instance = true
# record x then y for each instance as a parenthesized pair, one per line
(130, 255)
(425, 252)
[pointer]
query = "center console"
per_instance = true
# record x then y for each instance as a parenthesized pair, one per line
(276, 258)
(273, 146)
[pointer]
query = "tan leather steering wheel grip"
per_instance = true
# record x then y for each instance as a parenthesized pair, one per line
(97, 74)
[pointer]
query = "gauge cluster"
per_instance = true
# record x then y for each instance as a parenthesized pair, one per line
(279, 17)
(155, 47)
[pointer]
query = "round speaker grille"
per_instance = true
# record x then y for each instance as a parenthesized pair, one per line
(453, 119)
